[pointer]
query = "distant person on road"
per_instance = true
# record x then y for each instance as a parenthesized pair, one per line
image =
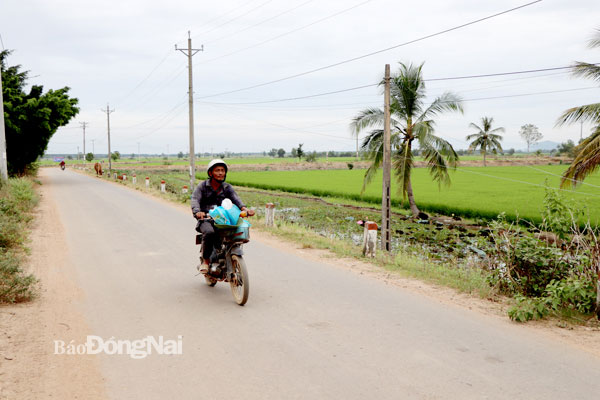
(62, 164)
(208, 194)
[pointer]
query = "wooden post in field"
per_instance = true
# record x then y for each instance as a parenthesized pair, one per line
(387, 167)
(270, 214)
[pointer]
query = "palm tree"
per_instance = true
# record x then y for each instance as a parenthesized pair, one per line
(587, 158)
(486, 140)
(411, 119)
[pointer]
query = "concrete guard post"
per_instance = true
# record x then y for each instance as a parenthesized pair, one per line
(184, 189)
(134, 179)
(124, 177)
(147, 182)
(163, 186)
(270, 214)
(115, 176)
(369, 239)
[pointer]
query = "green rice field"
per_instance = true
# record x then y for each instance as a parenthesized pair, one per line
(474, 191)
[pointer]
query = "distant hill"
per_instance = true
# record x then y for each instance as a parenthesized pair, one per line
(546, 145)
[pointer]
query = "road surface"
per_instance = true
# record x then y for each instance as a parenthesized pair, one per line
(309, 330)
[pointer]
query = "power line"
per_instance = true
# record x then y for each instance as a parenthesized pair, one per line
(560, 176)
(147, 77)
(373, 53)
(235, 18)
(366, 86)
(289, 32)
(260, 23)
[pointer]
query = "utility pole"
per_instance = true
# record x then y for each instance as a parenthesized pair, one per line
(189, 52)
(83, 125)
(3, 162)
(77, 153)
(93, 151)
(387, 167)
(108, 111)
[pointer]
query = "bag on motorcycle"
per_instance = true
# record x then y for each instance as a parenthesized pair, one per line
(220, 216)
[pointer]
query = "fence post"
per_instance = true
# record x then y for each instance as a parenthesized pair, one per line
(115, 176)
(163, 187)
(134, 179)
(270, 214)
(124, 177)
(185, 189)
(147, 182)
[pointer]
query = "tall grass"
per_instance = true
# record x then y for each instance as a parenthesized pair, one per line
(17, 198)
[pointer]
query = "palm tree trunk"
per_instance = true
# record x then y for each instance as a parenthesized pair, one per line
(484, 158)
(411, 200)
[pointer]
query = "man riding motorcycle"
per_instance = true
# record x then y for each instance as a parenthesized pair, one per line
(208, 194)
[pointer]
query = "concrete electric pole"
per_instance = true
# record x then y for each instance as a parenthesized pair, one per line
(189, 52)
(108, 111)
(3, 161)
(83, 125)
(387, 167)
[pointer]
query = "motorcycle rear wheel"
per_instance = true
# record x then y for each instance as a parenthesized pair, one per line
(239, 282)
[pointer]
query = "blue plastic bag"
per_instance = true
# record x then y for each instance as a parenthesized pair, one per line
(221, 216)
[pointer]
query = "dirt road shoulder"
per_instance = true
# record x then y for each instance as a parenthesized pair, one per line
(29, 369)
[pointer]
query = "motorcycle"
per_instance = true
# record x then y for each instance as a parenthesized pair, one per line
(62, 166)
(227, 261)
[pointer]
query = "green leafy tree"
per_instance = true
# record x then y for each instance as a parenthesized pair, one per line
(30, 118)
(272, 152)
(180, 154)
(89, 157)
(300, 152)
(567, 148)
(294, 152)
(485, 139)
(115, 155)
(281, 153)
(587, 157)
(411, 120)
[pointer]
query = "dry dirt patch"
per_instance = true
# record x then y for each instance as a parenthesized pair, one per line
(29, 369)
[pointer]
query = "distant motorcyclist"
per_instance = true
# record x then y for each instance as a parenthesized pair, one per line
(62, 164)
(208, 194)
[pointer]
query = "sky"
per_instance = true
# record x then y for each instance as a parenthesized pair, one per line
(121, 54)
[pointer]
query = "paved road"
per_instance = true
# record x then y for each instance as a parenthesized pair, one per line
(309, 330)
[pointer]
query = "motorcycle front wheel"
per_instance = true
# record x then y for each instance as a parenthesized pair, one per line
(239, 281)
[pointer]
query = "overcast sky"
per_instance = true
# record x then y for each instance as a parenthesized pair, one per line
(123, 53)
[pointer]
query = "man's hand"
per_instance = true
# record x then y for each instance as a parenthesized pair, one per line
(200, 215)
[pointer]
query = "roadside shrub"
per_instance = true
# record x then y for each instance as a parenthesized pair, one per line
(16, 200)
(15, 286)
(350, 165)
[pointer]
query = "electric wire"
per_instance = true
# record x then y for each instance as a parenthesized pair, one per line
(373, 53)
(259, 23)
(288, 33)
(560, 176)
(235, 18)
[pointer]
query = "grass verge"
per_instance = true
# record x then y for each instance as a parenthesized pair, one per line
(17, 198)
